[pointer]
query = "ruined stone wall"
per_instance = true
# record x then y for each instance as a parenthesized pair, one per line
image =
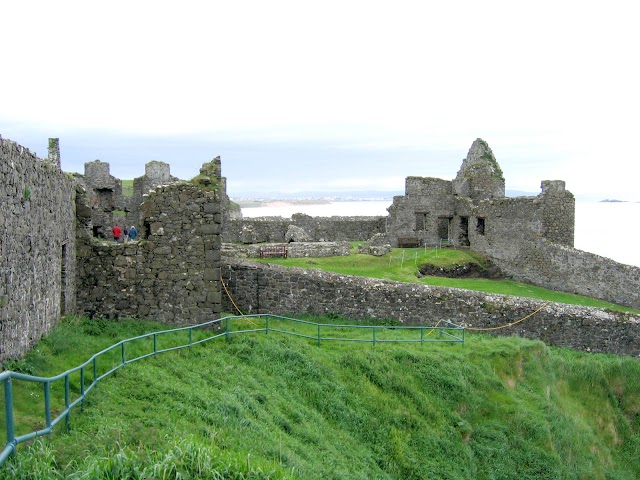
(567, 269)
(518, 234)
(427, 205)
(171, 275)
(558, 213)
(319, 229)
(295, 249)
(280, 290)
(155, 173)
(37, 247)
(508, 223)
(104, 193)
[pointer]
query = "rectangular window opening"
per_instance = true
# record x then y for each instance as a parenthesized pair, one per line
(480, 226)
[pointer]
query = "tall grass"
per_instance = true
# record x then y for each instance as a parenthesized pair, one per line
(274, 406)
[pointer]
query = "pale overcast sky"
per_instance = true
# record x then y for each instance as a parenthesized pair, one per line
(301, 96)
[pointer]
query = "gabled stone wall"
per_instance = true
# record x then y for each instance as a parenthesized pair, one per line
(37, 247)
(172, 274)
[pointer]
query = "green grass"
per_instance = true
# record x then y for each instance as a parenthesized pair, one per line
(127, 188)
(273, 406)
(401, 265)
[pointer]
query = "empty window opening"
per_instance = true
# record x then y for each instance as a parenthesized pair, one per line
(480, 226)
(463, 237)
(421, 222)
(444, 228)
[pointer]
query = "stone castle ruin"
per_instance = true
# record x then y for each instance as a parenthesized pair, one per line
(57, 256)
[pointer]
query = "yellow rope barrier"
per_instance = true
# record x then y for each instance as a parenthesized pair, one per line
(477, 329)
(433, 330)
(231, 298)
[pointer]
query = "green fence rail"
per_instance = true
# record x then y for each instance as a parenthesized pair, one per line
(85, 377)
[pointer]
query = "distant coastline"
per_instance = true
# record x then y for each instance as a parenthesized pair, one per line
(289, 202)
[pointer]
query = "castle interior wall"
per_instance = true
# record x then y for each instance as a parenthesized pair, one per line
(37, 247)
(173, 276)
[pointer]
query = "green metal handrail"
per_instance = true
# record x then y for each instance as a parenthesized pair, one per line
(272, 323)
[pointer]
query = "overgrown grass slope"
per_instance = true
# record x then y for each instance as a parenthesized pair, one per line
(274, 406)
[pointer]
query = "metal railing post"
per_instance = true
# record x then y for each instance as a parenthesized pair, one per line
(226, 328)
(267, 325)
(66, 403)
(374, 333)
(8, 409)
(95, 370)
(47, 404)
(82, 388)
(124, 358)
(190, 336)
(421, 335)
(318, 334)
(155, 343)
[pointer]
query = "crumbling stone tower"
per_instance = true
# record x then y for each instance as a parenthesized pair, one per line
(105, 196)
(155, 173)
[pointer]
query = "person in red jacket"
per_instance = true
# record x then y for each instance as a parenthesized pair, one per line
(117, 231)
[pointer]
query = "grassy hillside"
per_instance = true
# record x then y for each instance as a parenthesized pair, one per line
(402, 265)
(269, 406)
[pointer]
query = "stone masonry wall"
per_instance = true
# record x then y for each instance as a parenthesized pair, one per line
(567, 269)
(155, 173)
(420, 212)
(37, 247)
(171, 275)
(280, 290)
(320, 229)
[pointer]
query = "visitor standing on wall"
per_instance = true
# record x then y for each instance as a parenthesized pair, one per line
(133, 233)
(125, 234)
(117, 231)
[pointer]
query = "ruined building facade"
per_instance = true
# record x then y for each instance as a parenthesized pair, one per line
(473, 211)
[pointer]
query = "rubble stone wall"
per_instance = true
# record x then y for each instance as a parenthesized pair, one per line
(37, 247)
(264, 288)
(171, 275)
(319, 229)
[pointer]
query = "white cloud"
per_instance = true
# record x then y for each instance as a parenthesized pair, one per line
(552, 86)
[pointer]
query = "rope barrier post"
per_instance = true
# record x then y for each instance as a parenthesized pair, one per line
(8, 410)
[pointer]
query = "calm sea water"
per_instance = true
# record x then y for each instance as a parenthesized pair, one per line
(607, 229)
